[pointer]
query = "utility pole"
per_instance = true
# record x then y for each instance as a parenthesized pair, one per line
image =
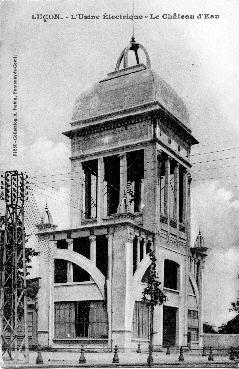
(13, 292)
(1, 268)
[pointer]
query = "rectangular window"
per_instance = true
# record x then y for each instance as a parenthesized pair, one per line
(162, 186)
(172, 190)
(142, 248)
(60, 271)
(86, 319)
(141, 322)
(81, 245)
(102, 254)
(62, 244)
(171, 275)
(20, 328)
(135, 180)
(181, 194)
(135, 246)
(90, 184)
(193, 324)
(111, 184)
(79, 274)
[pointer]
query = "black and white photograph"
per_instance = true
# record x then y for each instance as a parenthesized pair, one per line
(119, 194)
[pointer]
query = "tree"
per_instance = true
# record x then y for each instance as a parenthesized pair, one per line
(208, 328)
(152, 295)
(235, 307)
(231, 327)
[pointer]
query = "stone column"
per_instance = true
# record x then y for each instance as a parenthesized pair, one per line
(123, 183)
(69, 272)
(121, 286)
(76, 194)
(46, 290)
(144, 247)
(139, 239)
(167, 184)
(51, 256)
(109, 288)
(184, 212)
(70, 244)
(93, 249)
(100, 190)
(176, 192)
(200, 307)
(188, 217)
(159, 209)
(185, 297)
(69, 264)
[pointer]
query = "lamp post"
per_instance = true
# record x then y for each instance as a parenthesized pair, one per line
(152, 295)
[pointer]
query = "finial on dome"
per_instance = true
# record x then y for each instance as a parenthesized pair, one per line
(134, 46)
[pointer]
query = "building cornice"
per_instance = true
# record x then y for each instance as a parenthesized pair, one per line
(131, 146)
(129, 116)
(114, 149)
(92, 227)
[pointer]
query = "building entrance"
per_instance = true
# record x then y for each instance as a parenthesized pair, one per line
(169, 325)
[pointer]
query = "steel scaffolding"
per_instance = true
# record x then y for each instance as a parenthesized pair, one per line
(13, 293)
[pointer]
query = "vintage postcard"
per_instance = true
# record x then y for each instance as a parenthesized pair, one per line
(119, 193)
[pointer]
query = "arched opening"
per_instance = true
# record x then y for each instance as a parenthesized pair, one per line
(171, 275)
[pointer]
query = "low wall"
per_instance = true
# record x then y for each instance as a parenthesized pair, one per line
(221, 341)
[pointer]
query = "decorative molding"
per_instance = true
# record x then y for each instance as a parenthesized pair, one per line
(157, 110)
(109, 124)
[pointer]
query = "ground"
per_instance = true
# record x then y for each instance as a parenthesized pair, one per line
(130, 359)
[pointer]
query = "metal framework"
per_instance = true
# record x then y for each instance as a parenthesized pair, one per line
(13, 296)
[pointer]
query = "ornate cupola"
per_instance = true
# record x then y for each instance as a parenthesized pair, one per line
(46, 220)
(199, 250)
(127, 89)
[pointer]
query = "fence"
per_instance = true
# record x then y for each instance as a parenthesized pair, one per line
(221, 341)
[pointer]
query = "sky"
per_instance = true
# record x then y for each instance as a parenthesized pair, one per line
(199, 58)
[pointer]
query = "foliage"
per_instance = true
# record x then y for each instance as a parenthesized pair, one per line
(153, 294)
(32, 287)
(231, 327)
(208, 328)
(235, 306)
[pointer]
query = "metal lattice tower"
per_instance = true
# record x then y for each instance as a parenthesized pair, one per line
(13, 296)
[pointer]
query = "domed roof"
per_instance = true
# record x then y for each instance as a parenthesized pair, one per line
(129, 87)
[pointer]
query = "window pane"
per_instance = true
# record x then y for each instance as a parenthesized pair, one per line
(140, 323)
(86, 319)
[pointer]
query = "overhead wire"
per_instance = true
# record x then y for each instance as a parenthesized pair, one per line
(216, 151)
